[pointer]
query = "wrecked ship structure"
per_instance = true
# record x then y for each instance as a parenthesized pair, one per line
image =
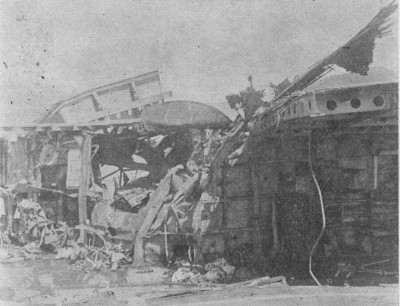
(305, 183)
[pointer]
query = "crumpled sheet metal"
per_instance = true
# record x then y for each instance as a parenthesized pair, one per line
(177, 207)
(135, 196)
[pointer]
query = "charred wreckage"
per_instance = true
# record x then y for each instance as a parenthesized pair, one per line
(305, 184)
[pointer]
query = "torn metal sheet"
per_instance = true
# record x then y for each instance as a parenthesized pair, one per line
(117, 150)
(355, 56)
(185, 113)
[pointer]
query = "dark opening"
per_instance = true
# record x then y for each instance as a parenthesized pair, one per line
(331, 105)
(355, 103)
(378, 101)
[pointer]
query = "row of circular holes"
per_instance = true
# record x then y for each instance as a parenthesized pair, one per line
(355, 103)
(331, 105)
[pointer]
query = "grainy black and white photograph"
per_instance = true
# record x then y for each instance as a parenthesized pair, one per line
(191, 152)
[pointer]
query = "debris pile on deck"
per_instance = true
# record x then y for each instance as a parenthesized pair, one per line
(218, 271)
(283, 188)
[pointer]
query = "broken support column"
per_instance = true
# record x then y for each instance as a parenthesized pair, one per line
(154, 206)
(84, 182)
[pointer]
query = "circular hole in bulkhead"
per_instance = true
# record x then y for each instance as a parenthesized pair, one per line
(331, 105)
(355, 103)
(378, 101)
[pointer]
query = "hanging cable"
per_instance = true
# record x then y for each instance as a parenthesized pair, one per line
(322, 207)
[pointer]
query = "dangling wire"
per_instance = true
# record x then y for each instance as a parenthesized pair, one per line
(322, 206)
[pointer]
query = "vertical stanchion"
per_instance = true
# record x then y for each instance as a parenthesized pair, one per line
(84, 182)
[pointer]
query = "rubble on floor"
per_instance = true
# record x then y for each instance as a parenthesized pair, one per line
(35, 225)
(85, 257)
(218, 271)
(37, 236)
